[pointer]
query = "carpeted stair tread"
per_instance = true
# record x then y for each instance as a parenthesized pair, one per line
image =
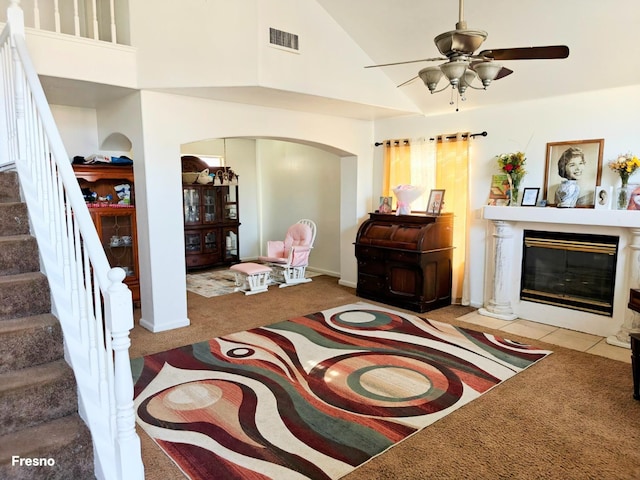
(18, 254)
(66, 440)
(30, 341)
(38, 391)
(23, 295)
(9, 188)
(14, 219)
(36, 394)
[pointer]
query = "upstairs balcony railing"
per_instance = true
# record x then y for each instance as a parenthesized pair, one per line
(103, 20)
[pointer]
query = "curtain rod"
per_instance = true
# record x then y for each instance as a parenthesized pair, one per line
(472, 135)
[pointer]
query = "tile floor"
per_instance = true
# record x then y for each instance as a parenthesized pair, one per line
(583, 342)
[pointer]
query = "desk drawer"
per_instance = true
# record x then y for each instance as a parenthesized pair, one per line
(372, 284)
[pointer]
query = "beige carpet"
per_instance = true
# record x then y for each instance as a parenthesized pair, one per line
(571, 416)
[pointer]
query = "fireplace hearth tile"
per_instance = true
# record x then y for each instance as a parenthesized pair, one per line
(570, 339)
(489, 322)
(603, 349)
(529, 329)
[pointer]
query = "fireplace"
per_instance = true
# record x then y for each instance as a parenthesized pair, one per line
(570, 270)
(504, 265)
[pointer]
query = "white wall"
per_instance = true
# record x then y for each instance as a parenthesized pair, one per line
(299, 181)
(527, 126)
(219, 43)
(78, 129)
(165, 130)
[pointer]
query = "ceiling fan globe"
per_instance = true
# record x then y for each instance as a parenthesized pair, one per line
(430, 76)
(487, 72)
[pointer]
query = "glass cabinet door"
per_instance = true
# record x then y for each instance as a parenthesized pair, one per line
(230, 202)
(117, 236)
(230, 244)
(192, 243)
(191, 203)
(210, 241)
(209, 205)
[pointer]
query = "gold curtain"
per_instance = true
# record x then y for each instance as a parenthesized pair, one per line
(397, 165)
(452, 175)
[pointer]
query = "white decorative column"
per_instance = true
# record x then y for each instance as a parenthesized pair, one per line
(631, 319)
(499, 306)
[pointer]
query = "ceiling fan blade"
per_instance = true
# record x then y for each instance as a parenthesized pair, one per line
(527, 53)
(503, 73)
(407, 82)
(408, 61)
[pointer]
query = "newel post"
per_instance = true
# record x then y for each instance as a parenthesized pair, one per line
(119, 317)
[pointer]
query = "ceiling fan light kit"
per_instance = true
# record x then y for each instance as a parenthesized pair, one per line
(487, 71)
(463, 65)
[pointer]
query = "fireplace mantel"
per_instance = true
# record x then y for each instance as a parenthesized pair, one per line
(566, 216)
(504, 266)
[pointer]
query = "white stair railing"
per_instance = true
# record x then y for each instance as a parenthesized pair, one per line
(91, 19)
(89, 298)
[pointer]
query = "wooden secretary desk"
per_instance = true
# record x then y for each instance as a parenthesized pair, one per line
(405, 260)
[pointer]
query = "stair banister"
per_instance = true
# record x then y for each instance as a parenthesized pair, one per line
(81, 281)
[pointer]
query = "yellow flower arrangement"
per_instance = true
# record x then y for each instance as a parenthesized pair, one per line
(625, 165)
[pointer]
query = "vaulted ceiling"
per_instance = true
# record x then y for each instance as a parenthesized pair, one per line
(602, 37)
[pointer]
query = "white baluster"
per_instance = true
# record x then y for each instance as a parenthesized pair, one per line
(36, 15)
(76, 19)
(113, 20)
(56, 15)
(94, 20)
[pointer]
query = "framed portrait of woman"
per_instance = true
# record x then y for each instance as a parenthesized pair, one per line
(572, 172)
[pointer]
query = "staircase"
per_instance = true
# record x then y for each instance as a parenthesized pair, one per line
(39, 421)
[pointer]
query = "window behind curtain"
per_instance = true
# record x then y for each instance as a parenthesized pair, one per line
(441, 164)
(409, 163)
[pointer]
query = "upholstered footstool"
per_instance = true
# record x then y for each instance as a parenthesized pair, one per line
(251, 277)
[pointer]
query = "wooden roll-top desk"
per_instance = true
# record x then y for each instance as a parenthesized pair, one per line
(405, 260)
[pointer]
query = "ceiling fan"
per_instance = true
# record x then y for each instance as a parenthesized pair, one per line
(463, 66)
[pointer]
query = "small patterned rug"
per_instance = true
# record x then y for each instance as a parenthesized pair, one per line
(212, 283)
(316, 396)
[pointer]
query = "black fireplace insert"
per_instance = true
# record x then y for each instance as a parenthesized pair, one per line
(570, 270)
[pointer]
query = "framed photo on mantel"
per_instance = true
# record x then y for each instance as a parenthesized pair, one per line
(530, 197)
(578, 161)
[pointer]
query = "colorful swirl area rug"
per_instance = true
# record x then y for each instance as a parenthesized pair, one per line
(315, 396)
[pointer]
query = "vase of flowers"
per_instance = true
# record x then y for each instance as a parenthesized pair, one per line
(513, 165)
(406, 194)
(625, 165)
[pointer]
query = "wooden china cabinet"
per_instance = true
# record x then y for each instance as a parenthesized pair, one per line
(114, 218)
(211, 216)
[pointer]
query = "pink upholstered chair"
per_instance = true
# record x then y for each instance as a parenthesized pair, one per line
(289, 257)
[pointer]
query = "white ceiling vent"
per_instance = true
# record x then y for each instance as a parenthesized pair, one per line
(284, 40)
